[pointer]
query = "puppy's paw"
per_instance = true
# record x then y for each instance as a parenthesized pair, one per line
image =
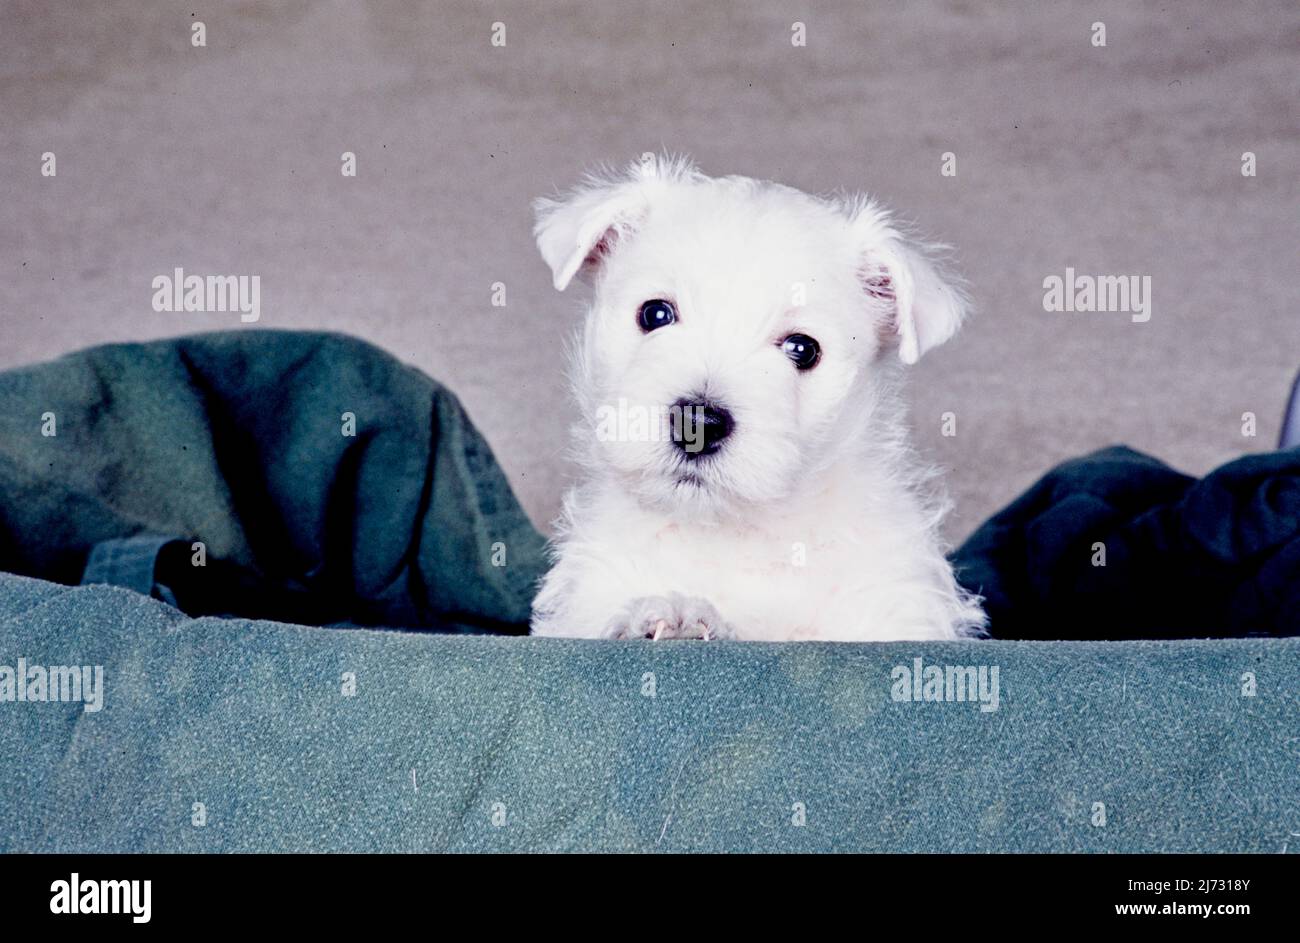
(669, 617)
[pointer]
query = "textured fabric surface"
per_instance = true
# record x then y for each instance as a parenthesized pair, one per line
(238, 441)
(558, 741)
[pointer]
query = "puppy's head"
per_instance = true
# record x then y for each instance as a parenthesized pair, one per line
(740, 332)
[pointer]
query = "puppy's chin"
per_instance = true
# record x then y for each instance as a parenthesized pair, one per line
(713, 488)
(685, 500)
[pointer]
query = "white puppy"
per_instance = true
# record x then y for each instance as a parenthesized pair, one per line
(746, 469)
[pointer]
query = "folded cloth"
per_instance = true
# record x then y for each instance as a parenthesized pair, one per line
(268, 474)
(1117, 545)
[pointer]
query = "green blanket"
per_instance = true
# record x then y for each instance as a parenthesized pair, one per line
(226, 735)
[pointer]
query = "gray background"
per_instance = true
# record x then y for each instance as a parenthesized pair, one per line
(1122, 160)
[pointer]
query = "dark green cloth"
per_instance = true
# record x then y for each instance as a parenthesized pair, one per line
(1117, 545)
(237, 440)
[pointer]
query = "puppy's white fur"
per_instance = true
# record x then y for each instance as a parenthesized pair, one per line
(814, 520)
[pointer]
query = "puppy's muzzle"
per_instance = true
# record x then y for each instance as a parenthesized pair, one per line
(699, 426)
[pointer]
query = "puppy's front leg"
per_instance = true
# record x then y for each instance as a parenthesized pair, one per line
(674, 616)
(591, 593)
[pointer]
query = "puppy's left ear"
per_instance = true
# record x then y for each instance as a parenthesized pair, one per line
(925, 305)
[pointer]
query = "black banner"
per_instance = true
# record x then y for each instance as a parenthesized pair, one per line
(1224, 893)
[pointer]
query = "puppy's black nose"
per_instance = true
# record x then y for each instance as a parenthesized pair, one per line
(700, 426)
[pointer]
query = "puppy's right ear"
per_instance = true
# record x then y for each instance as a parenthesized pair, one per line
(576, 233)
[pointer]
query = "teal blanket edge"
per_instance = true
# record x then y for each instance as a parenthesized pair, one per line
(219, 735)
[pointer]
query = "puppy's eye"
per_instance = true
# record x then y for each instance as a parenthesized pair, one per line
(655, 314)
(802, 350)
